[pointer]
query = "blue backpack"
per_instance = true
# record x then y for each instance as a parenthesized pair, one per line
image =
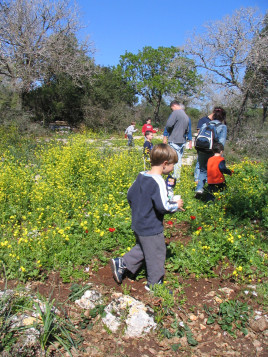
(207, 136)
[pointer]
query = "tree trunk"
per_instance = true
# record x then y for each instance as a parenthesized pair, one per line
(240, 115)
(156, 109)
(264, 114)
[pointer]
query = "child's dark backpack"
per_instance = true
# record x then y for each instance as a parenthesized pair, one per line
(207, 136)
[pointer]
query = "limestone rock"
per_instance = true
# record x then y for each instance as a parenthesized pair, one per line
(89, 300)
(227, 291)
(137, 317)
(259, 325)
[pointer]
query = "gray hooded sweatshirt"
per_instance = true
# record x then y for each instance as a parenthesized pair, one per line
(177, 126)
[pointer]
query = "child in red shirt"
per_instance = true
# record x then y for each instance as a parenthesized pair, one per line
(148, 127)
(215, 171)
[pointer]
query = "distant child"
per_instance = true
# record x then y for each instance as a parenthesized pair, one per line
(129, 132)
(147, 147)
(148, 127)
(215, 171)
(148, 200)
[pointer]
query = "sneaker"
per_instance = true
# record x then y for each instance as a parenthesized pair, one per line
(199, 193)
(150, 287)
(118, 268)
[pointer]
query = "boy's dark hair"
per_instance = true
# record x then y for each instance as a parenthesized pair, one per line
(217, 148)
(147, 132)
(148, 119)
(161, 153)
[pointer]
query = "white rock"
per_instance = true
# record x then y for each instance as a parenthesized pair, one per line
(139, 322)
(253, 287)
(89, 300)
(111, 321)
(226, 290)
(138, 317)
(211, 294)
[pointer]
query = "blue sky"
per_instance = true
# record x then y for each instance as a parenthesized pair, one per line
(116, 26)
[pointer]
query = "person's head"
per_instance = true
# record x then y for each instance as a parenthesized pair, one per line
(149, 135)
(133, 123)
(219, 114)
(217, 148)
(176, 105)
(163, 154)
(148, 121)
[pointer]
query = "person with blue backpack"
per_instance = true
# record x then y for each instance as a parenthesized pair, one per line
(213, 131)
(206, 119)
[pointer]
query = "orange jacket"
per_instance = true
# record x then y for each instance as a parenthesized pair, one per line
(215, 176)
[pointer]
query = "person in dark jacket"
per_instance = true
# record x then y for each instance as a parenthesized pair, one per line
(149, 203)
(147, 148)
(218, 117)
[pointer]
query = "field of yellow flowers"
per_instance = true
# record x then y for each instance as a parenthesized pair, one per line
(63, 207)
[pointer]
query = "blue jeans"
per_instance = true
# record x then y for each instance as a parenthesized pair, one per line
(130, 140)
(179, 148)
(203, 160)
(196, 171)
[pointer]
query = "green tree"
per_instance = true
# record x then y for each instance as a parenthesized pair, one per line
(156, 73)
(60, 98)
(108, 101)
(110, 88)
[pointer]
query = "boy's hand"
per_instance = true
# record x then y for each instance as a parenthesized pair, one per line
(180, 204)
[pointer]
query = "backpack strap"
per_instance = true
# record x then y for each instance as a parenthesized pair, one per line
(215, 123)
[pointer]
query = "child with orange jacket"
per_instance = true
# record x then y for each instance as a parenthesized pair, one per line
(216, 169)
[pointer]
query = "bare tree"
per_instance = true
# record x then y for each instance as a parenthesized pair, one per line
(256, 77)
(226, 48)
(37, 38)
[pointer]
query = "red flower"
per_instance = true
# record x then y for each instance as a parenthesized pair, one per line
(111, 229)
(199, 228)
(193, 217)
(86, 231)
(170, 223)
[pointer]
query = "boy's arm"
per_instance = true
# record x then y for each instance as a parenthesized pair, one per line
(223, 168)
(165, 133)
(222, 134)
(160, 198)
(189, 135)
(165, 136)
